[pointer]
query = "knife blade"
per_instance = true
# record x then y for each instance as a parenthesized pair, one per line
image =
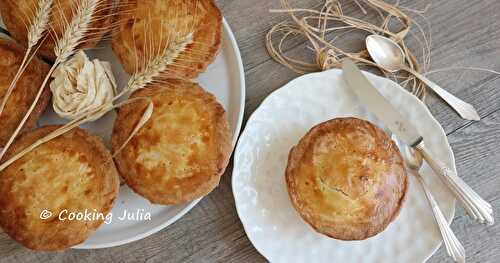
(379, 105)
(477, 208)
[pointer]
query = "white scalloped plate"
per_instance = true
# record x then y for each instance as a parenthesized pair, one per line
(225, 78)
(262, 201)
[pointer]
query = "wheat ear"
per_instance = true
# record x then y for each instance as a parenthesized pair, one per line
(158, 64)
(35, 33)
(66, 46)
(75, 33)
(153, 69)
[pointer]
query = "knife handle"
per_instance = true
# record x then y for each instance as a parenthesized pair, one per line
(477, 208)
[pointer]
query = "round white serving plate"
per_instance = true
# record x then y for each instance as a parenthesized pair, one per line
(276, 229)
(225, 78)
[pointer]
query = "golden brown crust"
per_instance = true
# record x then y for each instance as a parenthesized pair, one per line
(347, 179)
(166, 18)
(17, 14)
(20, 100)
(73, 171)
(182, 151)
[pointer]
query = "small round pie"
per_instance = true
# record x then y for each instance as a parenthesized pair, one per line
(17, 14)
(147, 26)
(73, 173)
(11, 56)
(347, 179)
(180, 154)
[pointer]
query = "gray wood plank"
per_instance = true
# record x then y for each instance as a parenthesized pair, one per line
(465, 33)
(475, 51)
(476, 151)
(209, 234)
(250, 21)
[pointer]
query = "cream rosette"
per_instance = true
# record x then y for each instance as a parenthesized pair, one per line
(81, 85)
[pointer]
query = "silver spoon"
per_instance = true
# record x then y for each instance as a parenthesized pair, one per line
(413, 160)
(389, 55)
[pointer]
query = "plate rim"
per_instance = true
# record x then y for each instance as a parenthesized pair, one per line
(268, 97)
(239, 62)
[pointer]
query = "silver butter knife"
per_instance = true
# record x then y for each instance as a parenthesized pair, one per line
(477, 208)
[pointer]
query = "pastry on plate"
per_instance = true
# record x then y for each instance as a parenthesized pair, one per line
(180, 154)
(73, 173)
(147, 26)
(17, 14)
(18, 103)
(347, 179)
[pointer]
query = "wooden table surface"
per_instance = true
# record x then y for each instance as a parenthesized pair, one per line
(464, 33)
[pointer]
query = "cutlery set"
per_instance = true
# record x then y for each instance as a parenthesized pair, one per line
(412, 144)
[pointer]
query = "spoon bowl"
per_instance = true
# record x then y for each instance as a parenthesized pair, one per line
(385, 52)
(412, 158)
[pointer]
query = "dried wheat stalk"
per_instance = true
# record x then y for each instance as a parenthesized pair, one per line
(144, 119)
(40, 23)
(75, 123)
(36, 30)
(159, 63)
(154, 69)
(74, 35)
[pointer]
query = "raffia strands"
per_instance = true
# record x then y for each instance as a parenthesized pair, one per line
(36, 30)
(322, 27)
(74, 35)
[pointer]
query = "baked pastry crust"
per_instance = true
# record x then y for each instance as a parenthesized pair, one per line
(17, 14)
(73, 171)
(167, 18)
(22, 97)
(347, 179)
(182, 151)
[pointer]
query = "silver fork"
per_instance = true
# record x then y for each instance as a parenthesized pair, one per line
(414, 160)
